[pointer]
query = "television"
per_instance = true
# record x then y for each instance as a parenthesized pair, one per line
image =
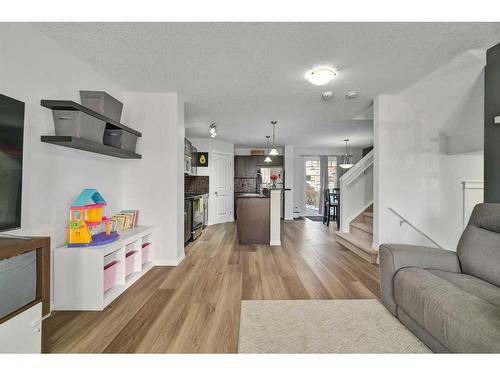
(11, 161)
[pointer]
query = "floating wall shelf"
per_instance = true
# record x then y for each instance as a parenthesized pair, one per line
(84, 144)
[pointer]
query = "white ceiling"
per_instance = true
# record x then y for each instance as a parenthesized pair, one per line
(242, 75)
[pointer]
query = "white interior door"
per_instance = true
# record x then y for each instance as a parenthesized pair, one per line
(222, 177)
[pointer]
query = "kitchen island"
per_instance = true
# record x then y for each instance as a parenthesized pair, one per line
(259, 218)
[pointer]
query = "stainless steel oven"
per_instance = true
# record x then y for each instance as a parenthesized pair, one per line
(188, 219)
(198, 216)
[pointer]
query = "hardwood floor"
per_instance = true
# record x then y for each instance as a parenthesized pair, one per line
(195, 307)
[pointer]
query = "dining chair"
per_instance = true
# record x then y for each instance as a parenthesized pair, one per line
(326, 206)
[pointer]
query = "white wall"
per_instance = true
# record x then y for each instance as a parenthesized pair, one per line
(32, 68)
(299, 185)
(155, 184)
(419, 168)
(212, 145)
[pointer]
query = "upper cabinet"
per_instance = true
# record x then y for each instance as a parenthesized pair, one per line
(248, 166)
(187, 147)
(276, 161)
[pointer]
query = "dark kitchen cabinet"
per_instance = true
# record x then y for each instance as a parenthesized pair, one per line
(187, 147)
(194, 160)
(239, 166)
(249, 165)
(245, 166)
(276, 161)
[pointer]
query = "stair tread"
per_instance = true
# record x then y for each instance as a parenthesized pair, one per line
(363, 226)
(358, 242)
(368, 213)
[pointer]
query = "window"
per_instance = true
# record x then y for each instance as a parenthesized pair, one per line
(332, 173)
(312, 168)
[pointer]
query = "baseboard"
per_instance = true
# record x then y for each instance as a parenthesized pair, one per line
(170, 263)
(275, 243)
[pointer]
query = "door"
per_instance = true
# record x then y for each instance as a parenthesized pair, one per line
(222, 183)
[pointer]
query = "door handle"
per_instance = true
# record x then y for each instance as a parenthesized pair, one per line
(216, 193)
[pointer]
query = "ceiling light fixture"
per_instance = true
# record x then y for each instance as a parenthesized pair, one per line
(267, 159)
(346, 161)
(320, 76)
(351, 95)
(273, 151)
(327, 95)
(213, 130)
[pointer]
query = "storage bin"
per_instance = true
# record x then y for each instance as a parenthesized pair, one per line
(146, 248)
(78, 124)
(103, 103)
(110, 271)
(121, 139)
(18, 277)
(129, 262)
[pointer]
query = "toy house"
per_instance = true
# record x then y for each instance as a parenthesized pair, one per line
(87, 224)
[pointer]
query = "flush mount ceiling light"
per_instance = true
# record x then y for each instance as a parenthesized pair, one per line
(327, 95)
(213, 130)
(267, 159)
(346, 161)
(320, 76)
(274, 152)
(351, 95)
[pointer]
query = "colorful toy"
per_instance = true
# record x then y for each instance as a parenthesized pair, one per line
(87, 224)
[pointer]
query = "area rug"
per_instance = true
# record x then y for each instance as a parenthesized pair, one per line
(323, 326)
(315, 218)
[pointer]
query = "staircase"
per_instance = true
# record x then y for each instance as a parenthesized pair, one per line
(360, 237)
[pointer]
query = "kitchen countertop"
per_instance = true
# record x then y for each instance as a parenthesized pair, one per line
(251, 195)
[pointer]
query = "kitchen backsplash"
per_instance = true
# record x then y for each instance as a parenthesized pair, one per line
(244, 185)
(196, 184)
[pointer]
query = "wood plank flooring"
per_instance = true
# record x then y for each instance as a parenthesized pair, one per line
(195, 307)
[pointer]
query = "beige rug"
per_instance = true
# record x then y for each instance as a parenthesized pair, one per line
(325, 326)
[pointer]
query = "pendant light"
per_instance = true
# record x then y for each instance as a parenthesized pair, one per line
(346, 162)
(273, 151)
(267, 159)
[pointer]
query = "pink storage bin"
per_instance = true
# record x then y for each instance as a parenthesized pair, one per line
(146, 248)
(110, 270)
(129, 262)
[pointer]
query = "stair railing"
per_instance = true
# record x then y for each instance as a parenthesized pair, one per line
(356, 190)
(403, 220)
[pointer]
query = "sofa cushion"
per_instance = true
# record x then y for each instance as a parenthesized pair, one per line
(458, 319)
(471, 284)
(479, 246)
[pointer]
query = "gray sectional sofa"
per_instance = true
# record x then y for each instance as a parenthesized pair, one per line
(450, 300)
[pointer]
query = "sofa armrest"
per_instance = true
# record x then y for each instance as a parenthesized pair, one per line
(395, 257)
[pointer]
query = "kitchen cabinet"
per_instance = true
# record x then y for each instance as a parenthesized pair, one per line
(194, 161)
(249, 165)
(277, 161)
(245, 166)
(187, 147)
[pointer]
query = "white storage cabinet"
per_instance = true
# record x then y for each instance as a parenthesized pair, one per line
(79, 272)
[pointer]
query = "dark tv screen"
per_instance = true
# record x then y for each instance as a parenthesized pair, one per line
(11, 161)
